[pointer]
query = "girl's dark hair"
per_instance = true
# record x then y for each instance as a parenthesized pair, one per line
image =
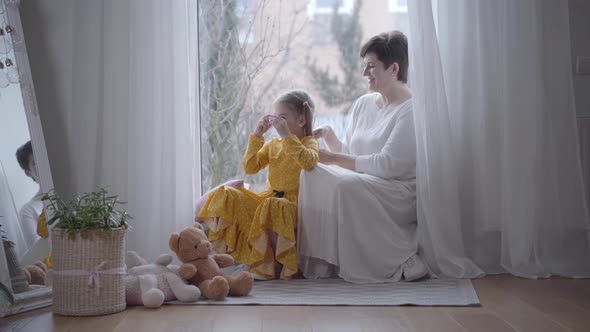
(301, 102)
(24, 154)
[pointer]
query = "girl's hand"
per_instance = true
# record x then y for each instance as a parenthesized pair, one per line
(263, 125)
(322, 132)
(280, 125)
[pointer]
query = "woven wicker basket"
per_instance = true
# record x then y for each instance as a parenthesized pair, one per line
(75, 256)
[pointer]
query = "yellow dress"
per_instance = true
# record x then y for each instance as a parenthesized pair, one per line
(43, 231)
(241, 222)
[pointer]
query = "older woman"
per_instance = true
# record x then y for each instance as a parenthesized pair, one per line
(357, 209)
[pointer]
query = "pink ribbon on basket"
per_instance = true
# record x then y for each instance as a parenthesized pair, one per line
(93, 275)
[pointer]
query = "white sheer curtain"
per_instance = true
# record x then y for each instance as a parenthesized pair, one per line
(499, 176)
(118, 96)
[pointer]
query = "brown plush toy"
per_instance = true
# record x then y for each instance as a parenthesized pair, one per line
(192, 247)
(35, 273)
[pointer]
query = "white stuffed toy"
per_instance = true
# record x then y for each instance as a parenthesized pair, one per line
(153, 284)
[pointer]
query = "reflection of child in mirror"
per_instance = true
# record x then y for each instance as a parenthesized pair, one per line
(30, 213)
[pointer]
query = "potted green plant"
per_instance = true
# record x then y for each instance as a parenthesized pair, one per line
(88, 253)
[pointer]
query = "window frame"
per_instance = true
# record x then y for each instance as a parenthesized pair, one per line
(313, 8)
(395, 7)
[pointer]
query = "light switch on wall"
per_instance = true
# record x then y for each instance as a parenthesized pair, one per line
(583, 65)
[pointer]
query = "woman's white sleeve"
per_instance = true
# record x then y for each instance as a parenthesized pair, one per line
(397, 159)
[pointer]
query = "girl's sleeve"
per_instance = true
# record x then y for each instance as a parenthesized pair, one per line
(256, 157)
(305, 153)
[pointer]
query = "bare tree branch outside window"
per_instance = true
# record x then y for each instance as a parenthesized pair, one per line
(237, 39)
(341, 91)
(251, 51)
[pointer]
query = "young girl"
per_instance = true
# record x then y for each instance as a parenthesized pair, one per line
(260, 229)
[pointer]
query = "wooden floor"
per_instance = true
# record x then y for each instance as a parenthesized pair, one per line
(508, 304)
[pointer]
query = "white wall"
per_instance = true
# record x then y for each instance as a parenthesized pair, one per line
(580, 37)
(14, 132)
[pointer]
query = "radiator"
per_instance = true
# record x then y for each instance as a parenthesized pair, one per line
(584, 132)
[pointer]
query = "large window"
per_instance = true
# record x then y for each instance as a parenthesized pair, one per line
(320, 13)
(253, 50)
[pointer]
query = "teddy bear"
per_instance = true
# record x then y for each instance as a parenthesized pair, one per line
(203, 269)
(153, 284)
(35, 273)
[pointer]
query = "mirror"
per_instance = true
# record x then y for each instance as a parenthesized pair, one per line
(24, 175)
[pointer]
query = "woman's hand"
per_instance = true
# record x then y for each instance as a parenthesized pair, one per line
(263, 125)
(325, 156)
(327, 133)
(322, 132)
(280, 125)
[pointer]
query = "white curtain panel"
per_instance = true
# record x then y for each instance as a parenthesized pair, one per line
(123, 112)
(499, 175)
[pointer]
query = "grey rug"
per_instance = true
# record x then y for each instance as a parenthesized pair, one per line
(334, 292)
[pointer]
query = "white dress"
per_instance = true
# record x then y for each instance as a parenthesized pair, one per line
(361, 225)
(37, 247)
(28, 216)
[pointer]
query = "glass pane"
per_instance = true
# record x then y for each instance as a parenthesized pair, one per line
(326, 3)
(253, 50)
